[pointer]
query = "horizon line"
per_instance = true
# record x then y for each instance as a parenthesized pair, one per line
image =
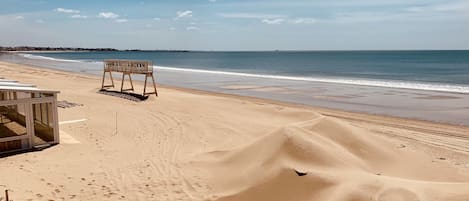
(44, 48)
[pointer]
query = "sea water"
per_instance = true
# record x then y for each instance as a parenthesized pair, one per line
(430, 85)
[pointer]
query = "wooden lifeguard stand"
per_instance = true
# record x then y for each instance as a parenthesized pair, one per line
(128, 67)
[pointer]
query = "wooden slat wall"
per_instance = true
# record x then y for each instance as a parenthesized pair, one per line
(10, 145)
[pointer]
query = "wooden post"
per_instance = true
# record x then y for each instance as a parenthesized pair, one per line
(122, 83)
(145, 85)
(104, 78)
(104, 75)
(6, 195)
(112, 80)
(131, 84)
(154, 85)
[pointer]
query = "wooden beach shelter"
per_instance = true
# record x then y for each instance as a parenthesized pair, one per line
(28, 117)
(129, 67)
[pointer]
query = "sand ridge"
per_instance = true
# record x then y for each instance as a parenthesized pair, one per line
(340, 162)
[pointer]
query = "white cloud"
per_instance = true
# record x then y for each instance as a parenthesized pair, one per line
(79, 16)
(39, 21)
(430, 12)
(172, 28)
(449, 7)
(212, 1)
(192, 28)
(446, 7)
(303, 21)
(415, 9)
(157, 19)
(250, 15)
(63, 10)
(273, 21)
(183, 14)
(148, 25)
(108, 15)
(269, 18)
(122, 20)
(19, 18)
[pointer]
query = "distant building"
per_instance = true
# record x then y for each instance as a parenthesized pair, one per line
(28, 117)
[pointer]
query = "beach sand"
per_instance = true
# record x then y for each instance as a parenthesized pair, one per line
(194, 145)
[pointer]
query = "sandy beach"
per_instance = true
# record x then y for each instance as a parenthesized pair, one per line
(195, 145)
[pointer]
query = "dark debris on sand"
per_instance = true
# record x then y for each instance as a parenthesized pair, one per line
(66, 104)
(300, 174)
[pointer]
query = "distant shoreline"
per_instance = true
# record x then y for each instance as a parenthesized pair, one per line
(51, 49)
(73, 49)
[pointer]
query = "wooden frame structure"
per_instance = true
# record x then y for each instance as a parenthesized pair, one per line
(128, 67)
(28, 117)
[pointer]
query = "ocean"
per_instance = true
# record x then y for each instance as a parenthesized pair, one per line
(428, 85)
(427, 70)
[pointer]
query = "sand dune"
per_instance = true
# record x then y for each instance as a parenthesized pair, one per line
(327, 159)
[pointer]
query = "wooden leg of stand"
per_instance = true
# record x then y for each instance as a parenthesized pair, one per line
(131, 84)
(154, 85)
(145, 85)
(102, 84)
(122, 83)
(112, 80)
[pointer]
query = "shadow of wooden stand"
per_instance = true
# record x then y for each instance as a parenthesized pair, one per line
(128, 67)
(125, 95)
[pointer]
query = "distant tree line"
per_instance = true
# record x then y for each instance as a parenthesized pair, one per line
(30, 48)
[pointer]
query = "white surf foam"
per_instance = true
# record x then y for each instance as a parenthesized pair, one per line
(376, 83)
(31, 56)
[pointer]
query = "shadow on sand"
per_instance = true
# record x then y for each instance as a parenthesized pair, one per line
(125, 95)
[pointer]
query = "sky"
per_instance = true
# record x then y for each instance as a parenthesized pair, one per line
(237, 24)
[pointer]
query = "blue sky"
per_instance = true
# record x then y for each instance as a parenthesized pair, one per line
(237, 24)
